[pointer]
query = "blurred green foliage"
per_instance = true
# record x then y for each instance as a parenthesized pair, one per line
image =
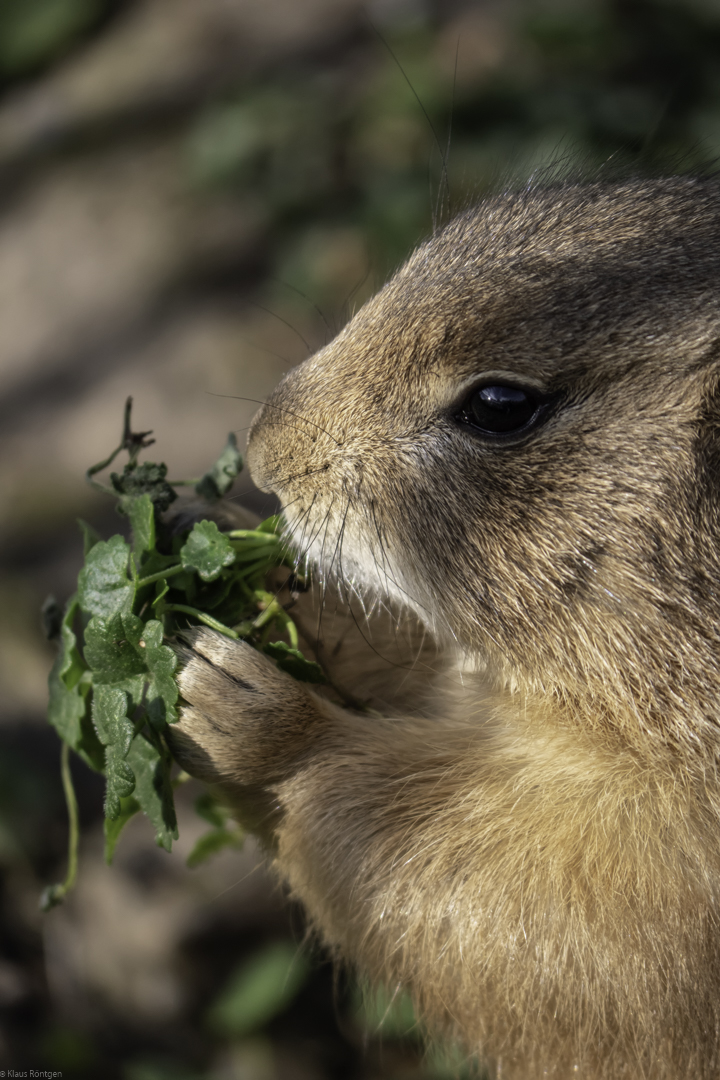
(330, 150)
(36, 32)
(259, 989)
(359, 158)
(387, 1015)
(159, 1069)
(378, 1011)
(338, 153)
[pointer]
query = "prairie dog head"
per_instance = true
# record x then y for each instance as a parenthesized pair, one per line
(518, 438)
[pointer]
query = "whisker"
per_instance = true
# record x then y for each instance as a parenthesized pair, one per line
(424, 111)
(313, 305)
(286, 426)
(293, 532)
(324, 582)
(241, 494)
(301, 545)
(296, 476)
(324, 579)
(382, 545)
(348, 590)
(317, 531)
(341, 533)
(284, 321)
(338, 547)
(397, 584)
(280, 408)
(262, 348)
(346, 305)
(290, 533)
(442, 197)
(348, 600)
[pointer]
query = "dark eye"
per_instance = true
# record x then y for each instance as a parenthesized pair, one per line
(501, 409)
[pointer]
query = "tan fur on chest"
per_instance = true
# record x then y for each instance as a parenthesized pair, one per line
(529, 841)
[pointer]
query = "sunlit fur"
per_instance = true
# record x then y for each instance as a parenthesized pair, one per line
(534, 852)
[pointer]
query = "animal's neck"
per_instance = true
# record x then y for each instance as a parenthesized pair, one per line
(658, 702)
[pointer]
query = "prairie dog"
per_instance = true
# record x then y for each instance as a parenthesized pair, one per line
(517, 443)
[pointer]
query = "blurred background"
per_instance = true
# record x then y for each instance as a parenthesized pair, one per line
(195, 195)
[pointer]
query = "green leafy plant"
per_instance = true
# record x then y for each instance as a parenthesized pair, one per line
(112, 687)
(263, 985)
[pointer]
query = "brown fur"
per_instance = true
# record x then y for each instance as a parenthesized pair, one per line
(535, 852)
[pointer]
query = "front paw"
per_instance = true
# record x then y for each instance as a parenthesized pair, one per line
(243, 722)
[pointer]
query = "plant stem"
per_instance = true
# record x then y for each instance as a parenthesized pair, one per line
(131, 441)
(73, 818)
(173, 570)
(249, 571)
(272, 611)
(55, 894)
(247, 550)
(253, 534)
(202, 617)
(292, 633)
(98, 468)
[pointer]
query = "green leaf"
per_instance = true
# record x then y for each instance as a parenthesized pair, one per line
(154, 562)
(115, 731)
(142, 521)
(111, 648)
(119, 780)
(219, 479)
(66, 708)
(127, 672)
(260, 989)
(103, 584)
(147, 478)
(129, 807)
(216, 592)
(69, 683)
(153, 790)
(126, 653)
(161, 588)
(90, 748)
(207, 550)
(270, 550)
(113, 725)
(273, 524)
(67, 696)
(133, 668)
(212, 842)
(162, 691)
(293, 661)
(209, 809)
